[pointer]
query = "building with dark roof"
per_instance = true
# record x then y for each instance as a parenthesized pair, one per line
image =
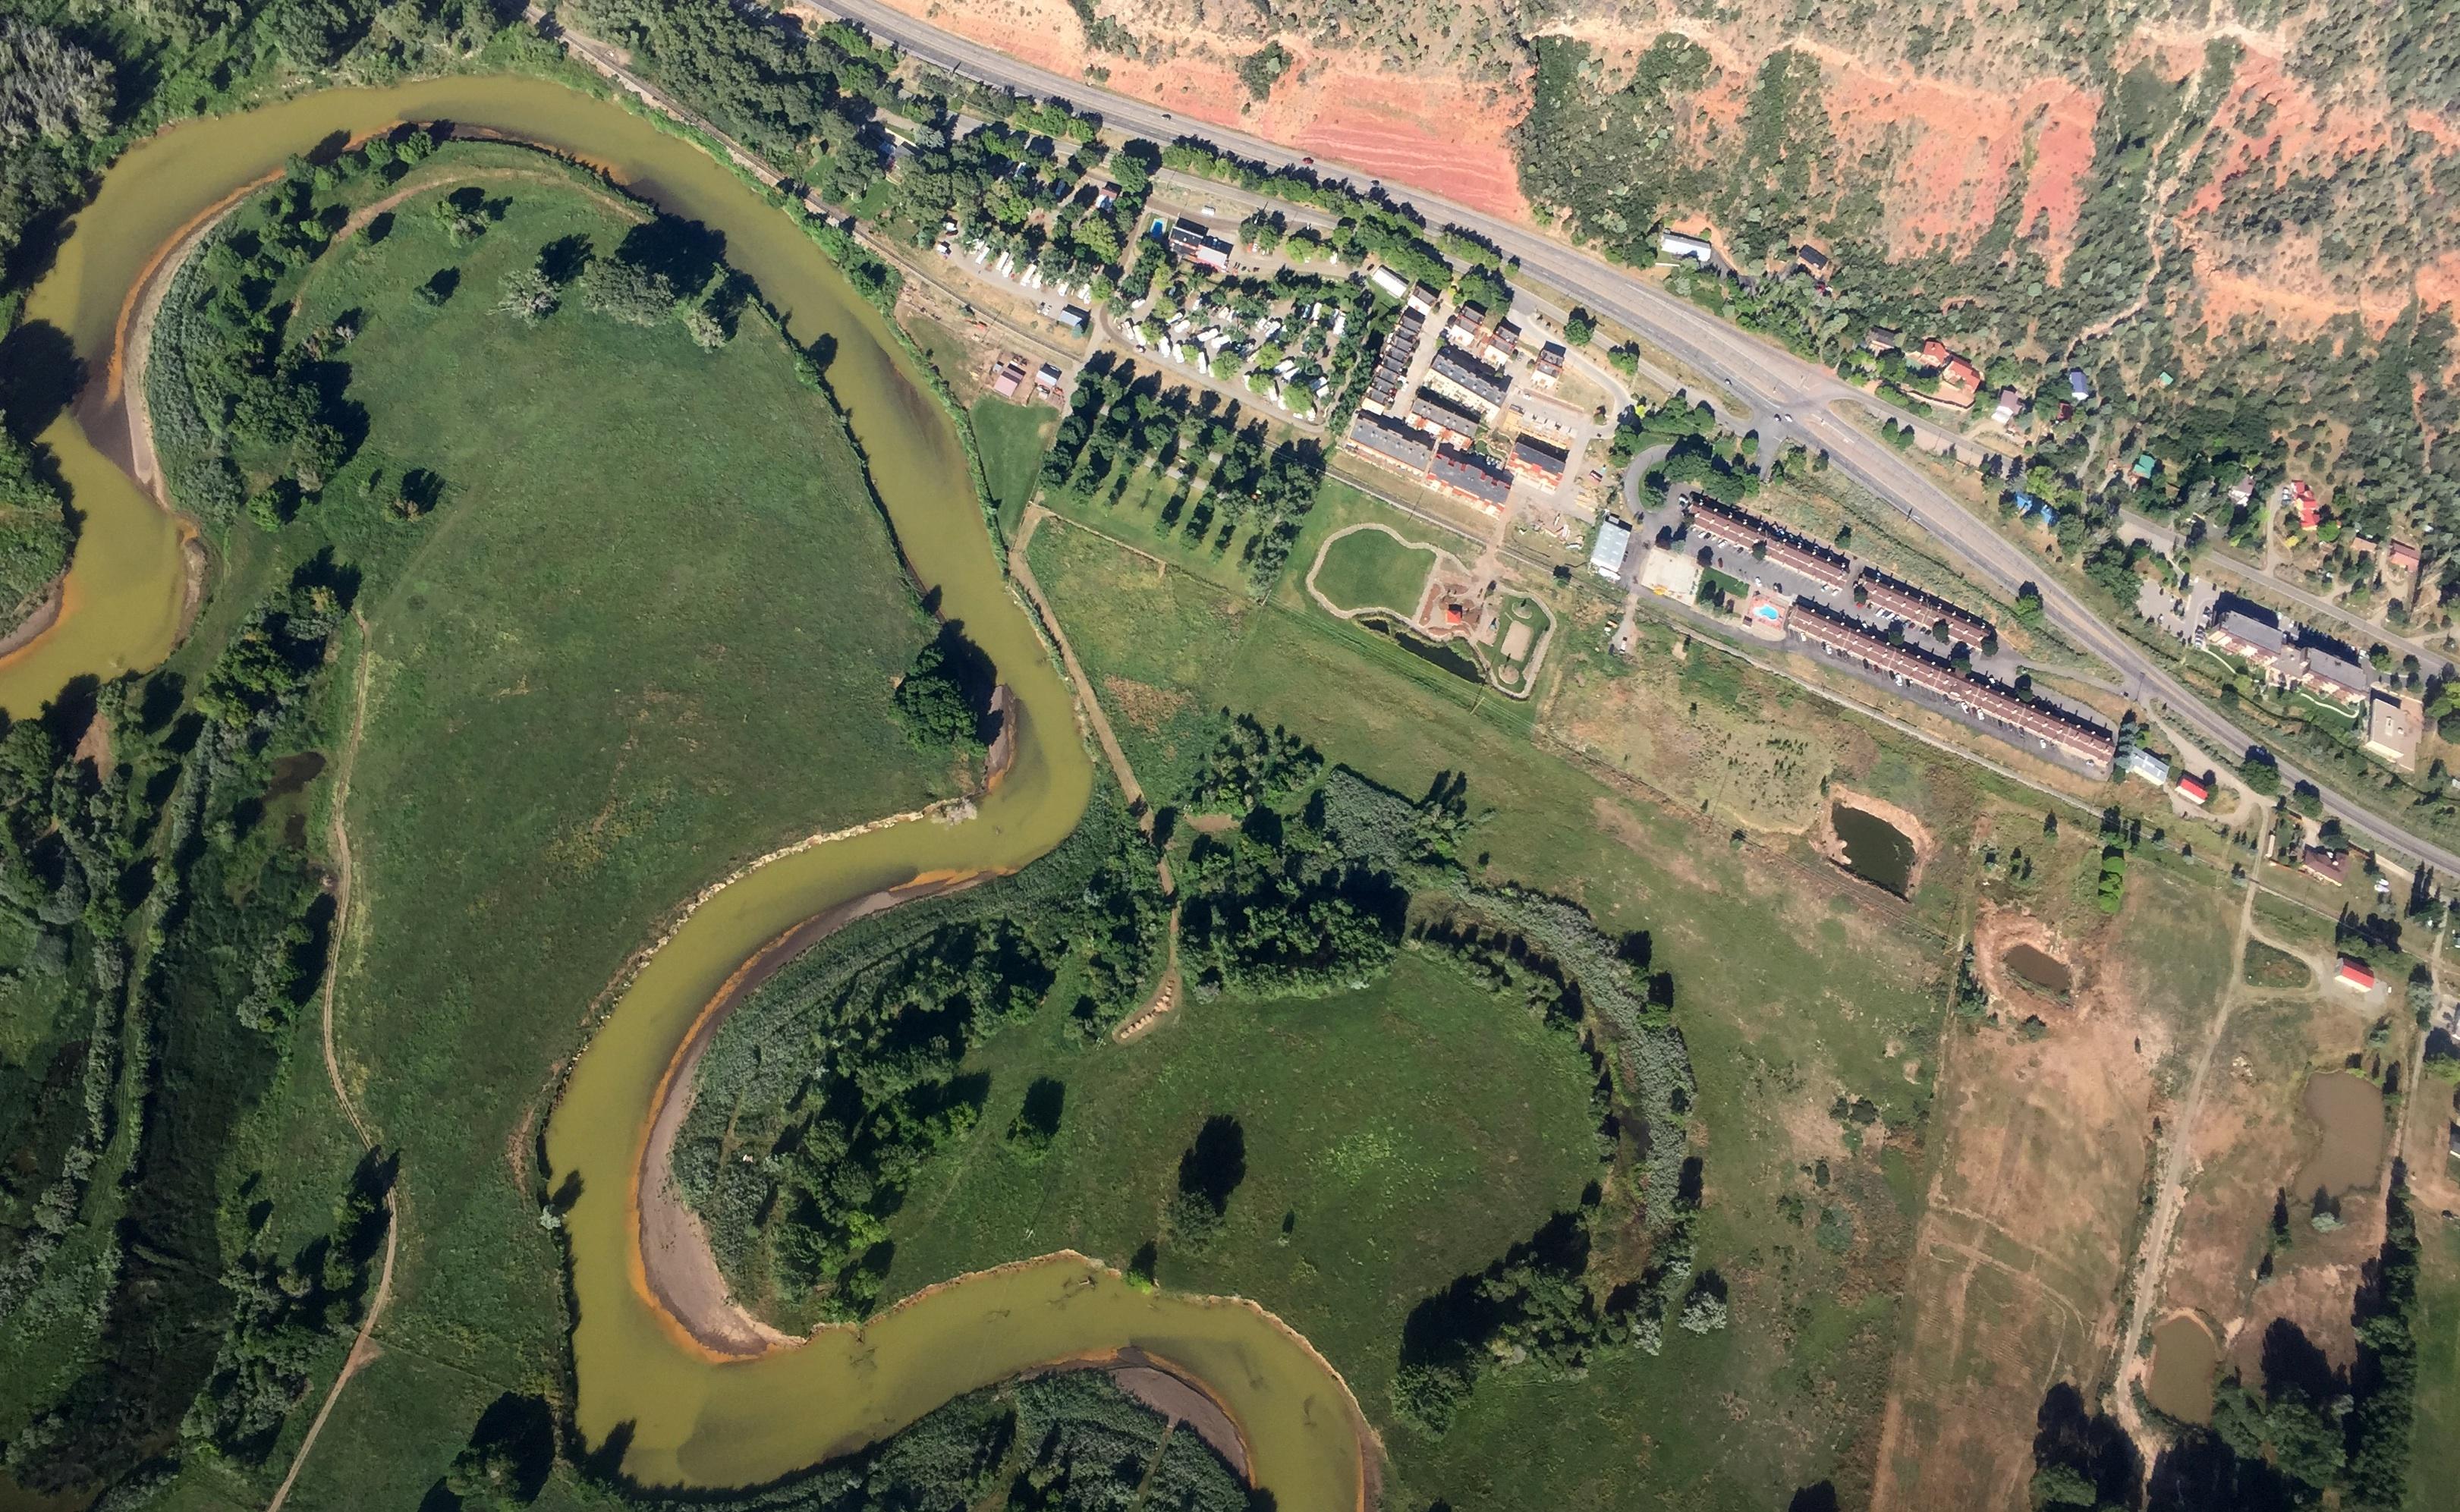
(1540, 463)
(1470, 378)
(1465, 475)
(1392, 443)
(1431, 409)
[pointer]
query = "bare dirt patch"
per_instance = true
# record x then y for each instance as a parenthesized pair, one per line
(2014, 1284)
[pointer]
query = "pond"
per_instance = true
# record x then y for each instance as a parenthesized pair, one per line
(2184, 1356)
(1876, 850)
(2040, 968)
(696, 1419)
(2349, 1109)
(1425, 650)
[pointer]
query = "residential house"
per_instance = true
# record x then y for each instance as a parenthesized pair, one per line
(1502, 345)
(1073, 318)
(2012, 404)
(1468, 327)
(1546, 370)
(1046, 381)
(2310, 513)
(1814, 261)
(1962, 374)
(2145, 465)
(2403, 556)
(1423, 299)
(1879, 339)
(1935, 353)
(2395, 724)
(1467, 379)
(1614, 540)
(1393, 444)
(2333, 676)
(1540, 463)
(2324, 866)
(1472, 476)
(2079, 387)
(1007, 374)
(1429, 411)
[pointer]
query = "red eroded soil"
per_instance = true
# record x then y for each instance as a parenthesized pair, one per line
(1433, 134)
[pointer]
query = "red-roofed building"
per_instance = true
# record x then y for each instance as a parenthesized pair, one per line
(2309, 512)
(2402, 556)
(2192, 790)
(1962, 375)
(1934, 352)
(2357, 973)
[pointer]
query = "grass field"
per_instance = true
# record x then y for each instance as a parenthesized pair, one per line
(2267, 967)
(1155, 655)
(1376, 1172)
(1012, 438)
(1830, 996)
(601, 679)
(1371, 569)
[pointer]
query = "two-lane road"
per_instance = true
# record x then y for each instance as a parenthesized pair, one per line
(1767, 379)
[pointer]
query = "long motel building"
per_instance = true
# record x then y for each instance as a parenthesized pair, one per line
(1740, 531)
(1994, 703)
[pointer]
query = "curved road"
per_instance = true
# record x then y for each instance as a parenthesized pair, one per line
(1767, 379)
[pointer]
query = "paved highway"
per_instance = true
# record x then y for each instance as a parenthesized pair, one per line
(1769, 381)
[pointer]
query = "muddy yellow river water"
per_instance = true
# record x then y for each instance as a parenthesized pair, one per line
(689, 1419)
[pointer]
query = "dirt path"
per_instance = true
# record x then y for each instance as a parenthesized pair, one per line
(364, 1348)
(1085, 702)
(2160, 1231)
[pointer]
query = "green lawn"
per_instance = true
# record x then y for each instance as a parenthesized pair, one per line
(1012, 438)
(1368, 569)
(649, 633)
(2436, 1453)
(1376, 1170)
(1151, 655)
(1823, 999)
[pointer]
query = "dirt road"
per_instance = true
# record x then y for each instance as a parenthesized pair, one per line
(2161, 1229)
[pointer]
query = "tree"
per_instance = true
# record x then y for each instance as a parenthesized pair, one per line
(528, 296)
(936, 700)
(50, 87)
(626, 291)
(707, 332)
(1263, 69)
(1579, 327)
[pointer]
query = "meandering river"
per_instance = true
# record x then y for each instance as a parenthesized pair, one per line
(690, 1417)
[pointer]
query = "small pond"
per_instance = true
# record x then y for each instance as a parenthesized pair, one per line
(2040, 968)
(1425, 650)
(293, 773)
(2350, 1109)
(1876, 850)
(2184, 1355)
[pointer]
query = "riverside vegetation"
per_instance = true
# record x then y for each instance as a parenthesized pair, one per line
(930, 1083)
(190, 1241)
